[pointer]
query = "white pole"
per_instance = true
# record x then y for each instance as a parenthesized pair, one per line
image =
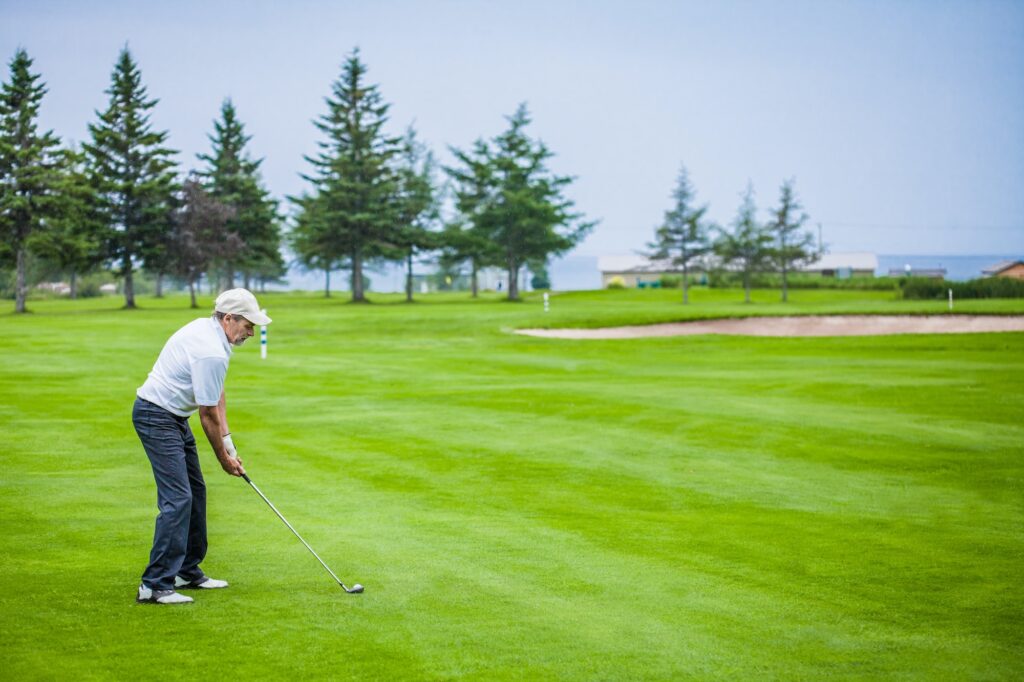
(263, 339)
(950, 299)
(546, 301)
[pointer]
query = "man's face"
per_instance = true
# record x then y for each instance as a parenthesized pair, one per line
(237, 329)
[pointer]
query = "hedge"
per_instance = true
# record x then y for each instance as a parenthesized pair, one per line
(920, 288)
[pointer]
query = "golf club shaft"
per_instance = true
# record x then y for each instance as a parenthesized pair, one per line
(281, 516)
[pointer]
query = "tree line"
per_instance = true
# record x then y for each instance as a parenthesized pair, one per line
(685, 238)
(120, 200)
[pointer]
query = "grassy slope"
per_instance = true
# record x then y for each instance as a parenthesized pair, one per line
(528, 508)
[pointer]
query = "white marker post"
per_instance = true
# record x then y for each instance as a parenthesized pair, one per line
(263, 338)
(950, 299)
(546, 301)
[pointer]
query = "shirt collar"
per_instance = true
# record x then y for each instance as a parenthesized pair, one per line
(221, 335)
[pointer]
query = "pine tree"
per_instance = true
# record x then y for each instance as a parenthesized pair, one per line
(233, 178)
(683, 235)
(354, 179)
(522, 212)
(749, 245)
(73, 240)
(133, 175)
(793, 246)
(466, 239)
(157, 251)
(29, 173)
(540, 278)
(314, 241)
(416, 206)
(461, 243)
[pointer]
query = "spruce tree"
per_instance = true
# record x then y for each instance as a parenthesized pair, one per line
(353, 177)
(29, 168)
(683, 235)
(749, 245)
(73, 240)
(314, 241)
(467, 239)
(416, 207)
(133, 175)
(793, 246)
(540, 278)
(233, 178)
(461, 243)
(523, 212)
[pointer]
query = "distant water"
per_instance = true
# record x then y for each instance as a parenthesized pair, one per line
(574, 273)
(567, 274)
(958, 268)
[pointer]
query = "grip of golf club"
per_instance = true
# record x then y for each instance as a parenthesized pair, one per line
(246, 477)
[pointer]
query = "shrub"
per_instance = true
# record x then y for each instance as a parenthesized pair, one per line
(7, 284)
(672, 281)
(616, 282)
(773, 280)
(920, 288)
(540, 280)
(89, 289)
(89, 285)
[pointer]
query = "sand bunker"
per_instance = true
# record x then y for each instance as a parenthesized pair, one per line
(823, 325)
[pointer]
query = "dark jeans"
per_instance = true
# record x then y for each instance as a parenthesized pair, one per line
(179, 543)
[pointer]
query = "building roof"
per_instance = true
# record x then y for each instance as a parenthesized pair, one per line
(855, 260)
(1000, 266)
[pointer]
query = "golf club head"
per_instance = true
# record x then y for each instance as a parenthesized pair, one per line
(355, 589)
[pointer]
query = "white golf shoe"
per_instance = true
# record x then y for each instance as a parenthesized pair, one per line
(204, 583)
(148, 596)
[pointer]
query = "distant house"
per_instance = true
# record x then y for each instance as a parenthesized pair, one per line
(640, 271)
(60, 288)
(843, 265)
(1006, 268)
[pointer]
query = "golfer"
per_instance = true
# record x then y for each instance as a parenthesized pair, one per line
(188, 376)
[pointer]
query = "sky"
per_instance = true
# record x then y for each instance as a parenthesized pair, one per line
(901, 122)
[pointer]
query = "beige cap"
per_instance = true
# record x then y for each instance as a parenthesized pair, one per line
(241, 302)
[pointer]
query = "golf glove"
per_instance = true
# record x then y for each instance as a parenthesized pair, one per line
(230, 447)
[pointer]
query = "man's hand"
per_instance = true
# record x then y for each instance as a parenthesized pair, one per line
(211, 419)
(232, 465)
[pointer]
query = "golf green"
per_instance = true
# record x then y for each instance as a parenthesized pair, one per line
(523, 508)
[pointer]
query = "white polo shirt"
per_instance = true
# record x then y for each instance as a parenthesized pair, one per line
(190, 370)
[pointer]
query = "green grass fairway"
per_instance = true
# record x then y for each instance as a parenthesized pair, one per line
(520, 508)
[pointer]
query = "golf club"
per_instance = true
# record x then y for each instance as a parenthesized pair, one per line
(355, 589)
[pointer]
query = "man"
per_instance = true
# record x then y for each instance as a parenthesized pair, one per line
(188, 376)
